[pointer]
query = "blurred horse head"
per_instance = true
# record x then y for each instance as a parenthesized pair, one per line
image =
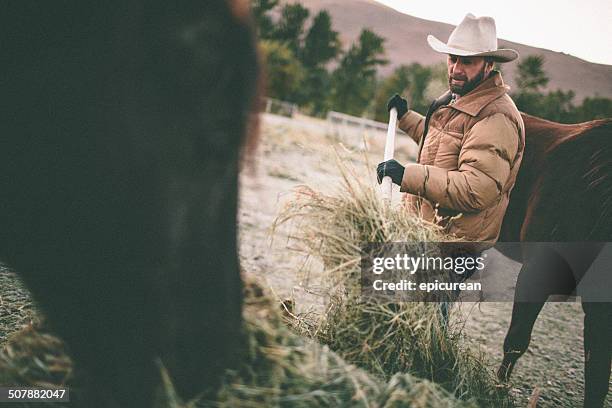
(122, 131)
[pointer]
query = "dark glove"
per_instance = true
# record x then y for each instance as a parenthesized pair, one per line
(392, 169)
(398, 103)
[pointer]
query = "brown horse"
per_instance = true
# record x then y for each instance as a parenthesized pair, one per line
(123, 124)
(563, 193)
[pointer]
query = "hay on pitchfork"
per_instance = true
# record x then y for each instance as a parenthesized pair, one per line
(335, 227)
(383, 337)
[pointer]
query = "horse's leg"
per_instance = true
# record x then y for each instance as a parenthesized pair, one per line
(543, 274)
(597, 352)
(524, 316)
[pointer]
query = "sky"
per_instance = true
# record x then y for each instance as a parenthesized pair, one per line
(580, 28)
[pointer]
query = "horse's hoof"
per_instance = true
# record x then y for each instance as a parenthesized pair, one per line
(505, 371)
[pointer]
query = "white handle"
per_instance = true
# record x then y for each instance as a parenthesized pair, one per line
(387, 184)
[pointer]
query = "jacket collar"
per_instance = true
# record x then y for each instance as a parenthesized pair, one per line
(490, 89)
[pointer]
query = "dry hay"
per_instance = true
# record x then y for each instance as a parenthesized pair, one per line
(278, 369)
(387, 338)
(286, 370)
(383, 337)
(51, 366)
(334, 227)
(281, 369)
(33, 357)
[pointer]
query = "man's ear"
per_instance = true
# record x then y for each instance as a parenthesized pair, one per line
(489, 65)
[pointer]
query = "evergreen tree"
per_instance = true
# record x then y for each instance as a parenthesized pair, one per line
(290, 26)
(558, 106)
(593, 108)
(316, 91)
(354, 81)
(555, 105)
(531, 76)
(410, 81)
(285, 73)
(263, 22)
(530, 80)
(321, 44)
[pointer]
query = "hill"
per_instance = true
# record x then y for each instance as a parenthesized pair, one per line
(406, 43)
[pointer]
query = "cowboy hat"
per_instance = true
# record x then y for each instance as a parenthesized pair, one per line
(474, 37)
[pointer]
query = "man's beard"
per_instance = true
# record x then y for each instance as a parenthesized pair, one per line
(468, 86)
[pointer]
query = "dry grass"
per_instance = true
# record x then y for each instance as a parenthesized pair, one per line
(282, 369)
(33, 356)
(387, 338)
(335, 227)
(279, 369)
(383, 337)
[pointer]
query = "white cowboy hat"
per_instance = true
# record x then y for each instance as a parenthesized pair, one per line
(474, 37)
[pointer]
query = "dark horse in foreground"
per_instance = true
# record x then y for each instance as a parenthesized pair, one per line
(563, 193)
(123, 124)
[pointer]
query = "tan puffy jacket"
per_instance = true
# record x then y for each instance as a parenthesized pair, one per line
(468, 161)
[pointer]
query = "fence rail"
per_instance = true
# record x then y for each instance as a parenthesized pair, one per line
(282, 108)
(342, 119)
(354, 121)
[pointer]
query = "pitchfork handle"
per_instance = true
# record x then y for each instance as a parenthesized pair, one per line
(387, 184)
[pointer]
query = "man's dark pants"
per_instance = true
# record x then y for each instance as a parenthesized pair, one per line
(445, 306)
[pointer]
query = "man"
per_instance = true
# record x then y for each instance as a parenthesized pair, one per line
(470, 142)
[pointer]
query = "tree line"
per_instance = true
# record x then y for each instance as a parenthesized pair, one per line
(307, 65)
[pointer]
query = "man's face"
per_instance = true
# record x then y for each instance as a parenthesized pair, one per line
(465, 73)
